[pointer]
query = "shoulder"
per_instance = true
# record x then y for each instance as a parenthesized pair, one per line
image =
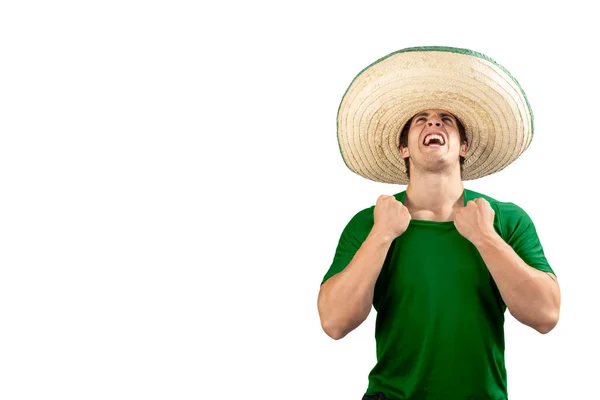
(364, 216)
(359, 226)
(362, 221)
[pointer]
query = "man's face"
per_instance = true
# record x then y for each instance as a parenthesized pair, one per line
(434, 141)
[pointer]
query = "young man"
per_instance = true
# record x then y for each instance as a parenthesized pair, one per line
(439, 263)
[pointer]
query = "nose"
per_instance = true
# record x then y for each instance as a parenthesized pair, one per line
(434, 120)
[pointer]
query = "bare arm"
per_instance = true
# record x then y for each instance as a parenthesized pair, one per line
(345, 299)
(532, 296)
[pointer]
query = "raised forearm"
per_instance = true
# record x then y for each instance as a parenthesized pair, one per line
(346, 298)
(532, 296)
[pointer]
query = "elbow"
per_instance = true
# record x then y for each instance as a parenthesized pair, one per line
(338, 320)
(337, 328)
(543, 329)
(334, 328)
(327, 322)
(338, 331)
(548, 324)
(330, 322)
(333, 332)
(541, 323)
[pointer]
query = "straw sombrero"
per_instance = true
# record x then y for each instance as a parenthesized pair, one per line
(478, 91)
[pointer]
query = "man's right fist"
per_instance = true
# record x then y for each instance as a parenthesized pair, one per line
(391, 216)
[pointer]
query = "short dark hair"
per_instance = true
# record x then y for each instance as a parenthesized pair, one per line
(404, 142)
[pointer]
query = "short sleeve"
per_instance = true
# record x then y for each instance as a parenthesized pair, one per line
(520, 233)
(352, 237)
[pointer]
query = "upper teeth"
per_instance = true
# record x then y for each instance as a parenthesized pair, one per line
(434, 136)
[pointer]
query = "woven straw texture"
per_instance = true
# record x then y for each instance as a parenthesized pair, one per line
(384, 96)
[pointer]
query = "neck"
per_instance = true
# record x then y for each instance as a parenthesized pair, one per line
(434, 193)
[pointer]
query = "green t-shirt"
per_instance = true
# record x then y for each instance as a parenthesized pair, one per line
(440, 317)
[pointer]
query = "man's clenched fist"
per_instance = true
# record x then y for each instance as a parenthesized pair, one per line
(475, 221)
(391, 216)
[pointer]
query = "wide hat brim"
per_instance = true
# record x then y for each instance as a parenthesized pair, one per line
(482, 94)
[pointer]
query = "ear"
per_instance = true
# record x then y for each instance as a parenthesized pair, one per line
(404, 152)
(463, 149)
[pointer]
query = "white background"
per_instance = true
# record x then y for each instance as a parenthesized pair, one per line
(171, 191)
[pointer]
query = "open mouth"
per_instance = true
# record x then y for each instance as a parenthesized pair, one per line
(434, 140)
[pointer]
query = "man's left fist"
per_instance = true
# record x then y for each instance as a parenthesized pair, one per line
(475, 221)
